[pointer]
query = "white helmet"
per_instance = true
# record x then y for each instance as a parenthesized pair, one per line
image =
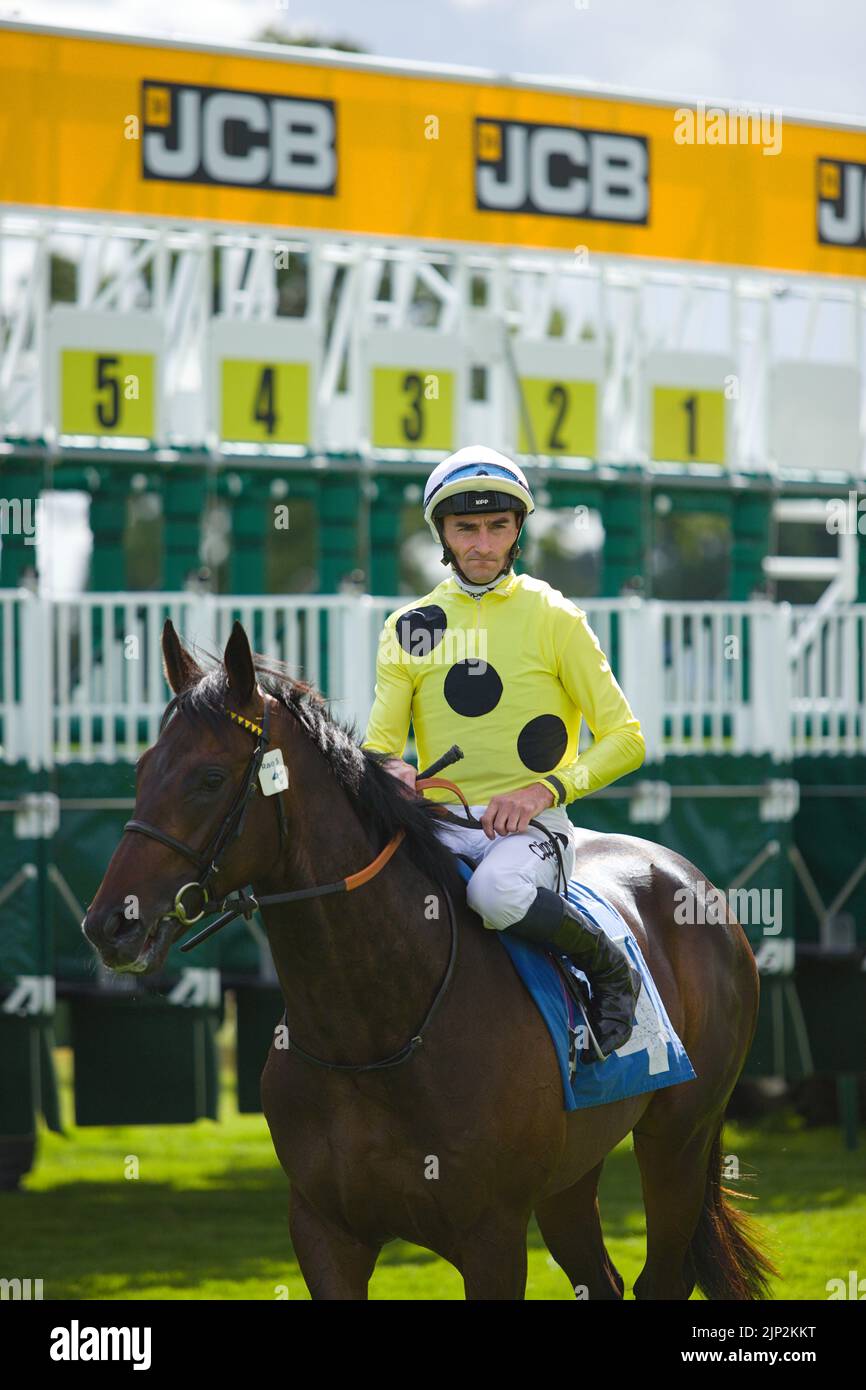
(485, 478)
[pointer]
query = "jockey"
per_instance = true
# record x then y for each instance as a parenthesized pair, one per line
(506, 667)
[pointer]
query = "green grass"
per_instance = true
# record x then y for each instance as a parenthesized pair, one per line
(207, 1217)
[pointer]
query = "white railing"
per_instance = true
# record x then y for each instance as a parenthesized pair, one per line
(828, 697)
(81, 679)
(106, 659)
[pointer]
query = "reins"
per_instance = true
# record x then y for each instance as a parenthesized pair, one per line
(244, 903)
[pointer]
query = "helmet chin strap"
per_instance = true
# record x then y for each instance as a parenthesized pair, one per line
(449, 558)
(478, 589)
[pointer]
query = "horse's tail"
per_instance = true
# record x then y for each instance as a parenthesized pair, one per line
(727, 1250)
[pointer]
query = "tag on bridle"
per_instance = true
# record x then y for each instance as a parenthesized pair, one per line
(273, 773)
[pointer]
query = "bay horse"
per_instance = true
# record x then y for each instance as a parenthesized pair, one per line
(453, 1145)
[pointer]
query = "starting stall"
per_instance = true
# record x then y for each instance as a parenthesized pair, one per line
(248, 298)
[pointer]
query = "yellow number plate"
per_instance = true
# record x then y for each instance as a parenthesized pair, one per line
(267, 402)
(563, 416)
(106, 393)
(413, 408)
(688, 425)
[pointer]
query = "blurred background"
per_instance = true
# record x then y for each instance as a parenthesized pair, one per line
(256, 279)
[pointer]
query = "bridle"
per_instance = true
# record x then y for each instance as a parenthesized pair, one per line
(208, 860)
(243, 903)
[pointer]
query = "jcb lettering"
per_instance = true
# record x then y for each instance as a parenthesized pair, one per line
(841, 203)
(560, 171)
(240, 139)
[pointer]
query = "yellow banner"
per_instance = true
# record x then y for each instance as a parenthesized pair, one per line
(113, 126)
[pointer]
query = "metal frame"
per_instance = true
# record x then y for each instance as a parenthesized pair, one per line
(127, 267)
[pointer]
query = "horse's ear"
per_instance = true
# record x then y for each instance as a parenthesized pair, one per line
(238, 660)
(180, 668)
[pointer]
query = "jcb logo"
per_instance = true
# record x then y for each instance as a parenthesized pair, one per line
(561, 171)
(243, 139)
(841, 203)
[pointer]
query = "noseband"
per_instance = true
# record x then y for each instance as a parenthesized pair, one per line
(208, 860)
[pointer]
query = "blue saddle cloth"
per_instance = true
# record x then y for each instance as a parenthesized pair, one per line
(652, 1058)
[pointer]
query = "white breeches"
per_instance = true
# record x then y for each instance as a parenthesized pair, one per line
(510, 868)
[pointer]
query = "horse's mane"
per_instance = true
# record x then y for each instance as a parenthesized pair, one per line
(379, 800)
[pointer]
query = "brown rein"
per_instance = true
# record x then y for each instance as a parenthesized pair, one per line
(364, 875)
(243, 904)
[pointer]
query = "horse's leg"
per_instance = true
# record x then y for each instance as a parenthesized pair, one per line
(492, 1258)
(333, 1263)
(673, 1153)
(571, 1227)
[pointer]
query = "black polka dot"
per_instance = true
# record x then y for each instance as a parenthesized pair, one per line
(473, 688)
(421, 629)
(542, 742)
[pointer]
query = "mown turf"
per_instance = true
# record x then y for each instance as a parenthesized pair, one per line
(206, 1217)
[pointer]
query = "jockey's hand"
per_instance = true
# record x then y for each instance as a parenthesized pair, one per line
(404, 772)
(511, 813)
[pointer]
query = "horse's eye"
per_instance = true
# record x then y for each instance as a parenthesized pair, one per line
(212, 780)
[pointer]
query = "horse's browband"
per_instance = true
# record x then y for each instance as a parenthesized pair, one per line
(246, 723)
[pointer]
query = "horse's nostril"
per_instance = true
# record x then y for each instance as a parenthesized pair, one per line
(107, 929)
(117, 924)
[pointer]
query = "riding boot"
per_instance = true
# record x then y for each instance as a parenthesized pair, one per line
(615, 983)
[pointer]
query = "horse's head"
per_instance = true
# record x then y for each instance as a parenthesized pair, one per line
(190, 790)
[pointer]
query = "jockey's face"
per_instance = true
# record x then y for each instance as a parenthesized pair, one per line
(481, 543)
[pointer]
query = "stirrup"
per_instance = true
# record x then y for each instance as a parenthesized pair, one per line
(619, 1029)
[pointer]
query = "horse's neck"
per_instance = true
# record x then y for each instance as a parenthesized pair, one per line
(358, 970)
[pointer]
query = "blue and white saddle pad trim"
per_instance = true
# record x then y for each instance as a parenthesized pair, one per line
(652, 1058)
